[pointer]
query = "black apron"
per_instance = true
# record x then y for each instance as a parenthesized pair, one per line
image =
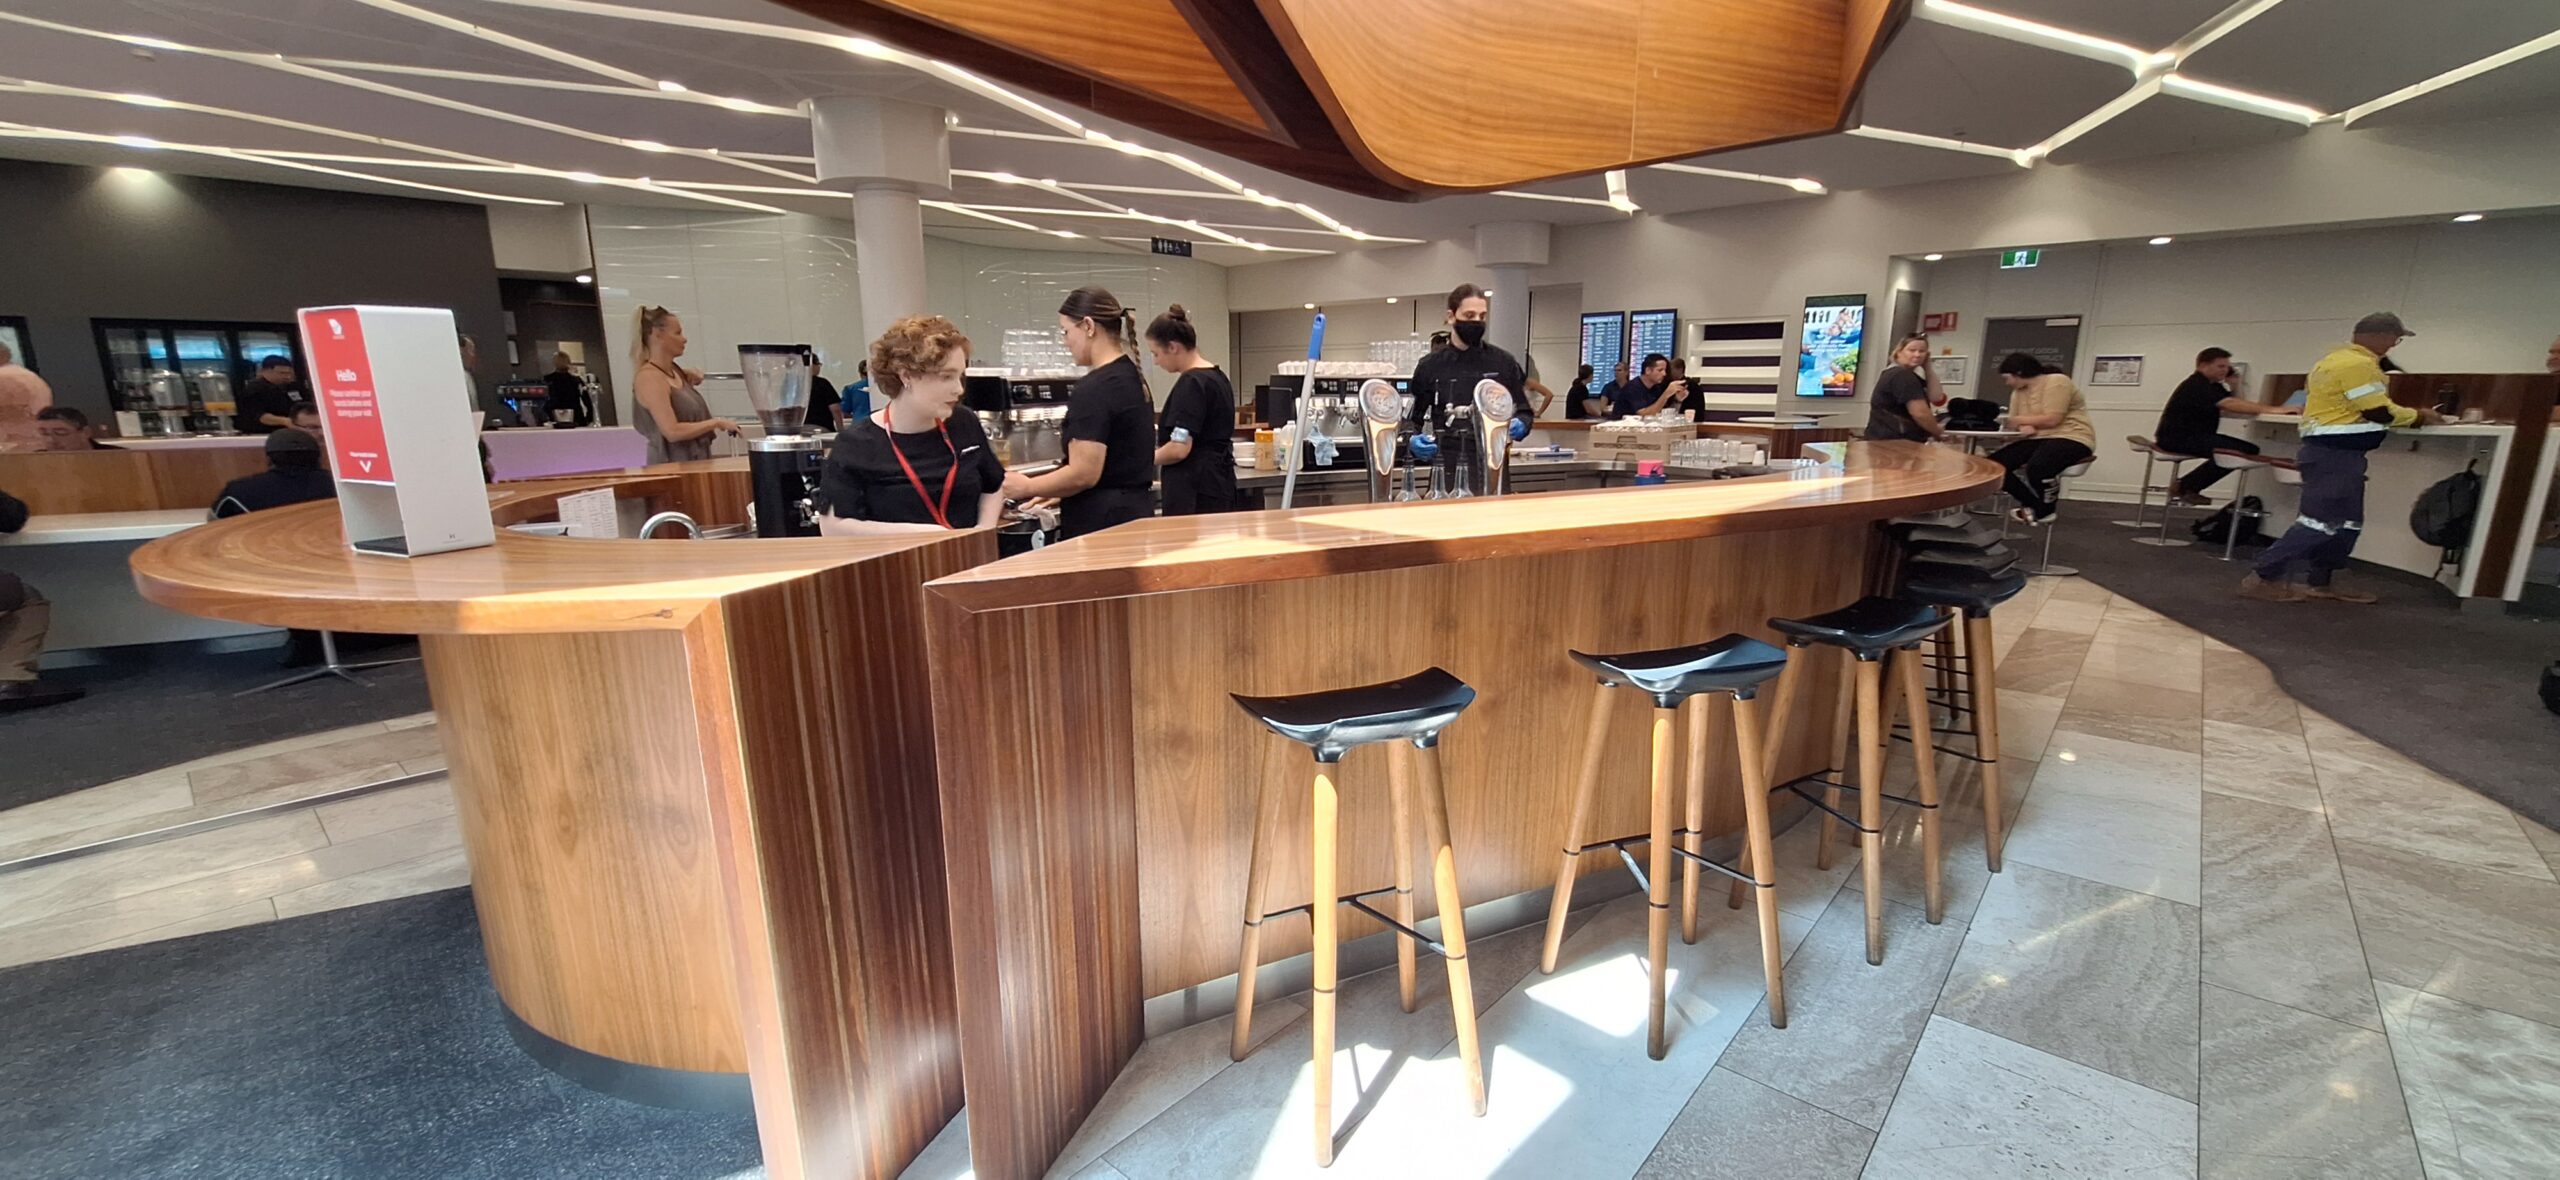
(1192, 488)
(1096, 509)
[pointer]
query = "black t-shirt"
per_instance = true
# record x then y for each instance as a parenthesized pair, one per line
(1573, 400)
(1632, 397)
(823, 400)
(275, 487)
(1204, 403)
(1448, 377)
(2194, 411)
(565, 392)
(261, 396)
(1889, 408)
(864, 481)
(1110, 406)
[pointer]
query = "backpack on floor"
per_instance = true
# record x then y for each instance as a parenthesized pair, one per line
(2551, 687)
(2443, 514)
(2217, 525)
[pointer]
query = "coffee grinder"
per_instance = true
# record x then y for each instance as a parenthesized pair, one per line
(782, 466)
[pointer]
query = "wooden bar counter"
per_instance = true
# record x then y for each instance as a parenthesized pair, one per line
(1098, 786)
(695, 785)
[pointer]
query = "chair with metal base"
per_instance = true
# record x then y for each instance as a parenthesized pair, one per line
(1868, 632)
(2241, 463)
(1696, 677)
(1409, 715)
(2152, 456)
(330, 665)
(2044, 567)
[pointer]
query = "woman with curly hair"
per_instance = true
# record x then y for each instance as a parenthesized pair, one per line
(913, 465)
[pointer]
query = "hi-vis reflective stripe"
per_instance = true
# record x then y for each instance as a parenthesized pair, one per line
(2316, 526)
(2357, 427)
(2366, 390)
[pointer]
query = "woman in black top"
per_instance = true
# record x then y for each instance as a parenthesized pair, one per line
(1110, 473)
(914, 466)
(1579, 393)
(1195, 436)
(1901, 405)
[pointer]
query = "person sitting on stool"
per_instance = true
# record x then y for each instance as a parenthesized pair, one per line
(294, 475)
(2347, 411)
(2191, 424)
(2048, 411)
(24, 617)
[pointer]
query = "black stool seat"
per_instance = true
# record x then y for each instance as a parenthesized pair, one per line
(1736, 664)
(1415, 709)
(1973, 593)
(1988, 559)
(1866, 626)
(1969, 535)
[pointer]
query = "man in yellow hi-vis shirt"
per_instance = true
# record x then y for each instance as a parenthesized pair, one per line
(2347, 412)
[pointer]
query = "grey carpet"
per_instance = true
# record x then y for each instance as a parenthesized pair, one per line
(2453, 690)
(360, 1043)
(159, 705)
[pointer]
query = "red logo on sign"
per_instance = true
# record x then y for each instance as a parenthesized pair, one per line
(1938, 321)
(342, 373)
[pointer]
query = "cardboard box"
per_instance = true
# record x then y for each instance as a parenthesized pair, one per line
(1619, 440)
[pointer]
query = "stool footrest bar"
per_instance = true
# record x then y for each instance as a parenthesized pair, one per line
(1799, 789)
(1356, 902)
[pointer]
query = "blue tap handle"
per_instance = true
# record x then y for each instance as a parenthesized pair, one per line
(1519, 429)
(1424, 446)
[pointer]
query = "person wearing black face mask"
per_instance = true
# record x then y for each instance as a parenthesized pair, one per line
(1448, 377)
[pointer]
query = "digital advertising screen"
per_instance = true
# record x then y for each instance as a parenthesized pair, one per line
(1835, 328)
(1604, 341)
(1650, 332)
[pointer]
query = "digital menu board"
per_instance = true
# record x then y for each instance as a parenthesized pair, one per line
(1835, 328)
(1649, 332)
(1604, 341)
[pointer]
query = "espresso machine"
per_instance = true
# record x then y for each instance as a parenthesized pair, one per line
(782, 466)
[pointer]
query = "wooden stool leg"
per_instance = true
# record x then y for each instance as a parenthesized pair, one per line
(1453, 921)
(1324, 889)
(1249, 954)
(1870, 679)
(1702, 755)
(1986, 732)
(1747, 741)
(1841, 712)
(1924, 754)
(1779, 719)
(1593, 747)
(1400, 830)
(1657, 924)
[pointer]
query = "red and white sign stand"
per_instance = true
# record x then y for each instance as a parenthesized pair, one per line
(394, 399)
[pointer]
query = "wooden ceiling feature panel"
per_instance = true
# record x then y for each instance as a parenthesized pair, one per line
(1726, 72)
(1144, 45)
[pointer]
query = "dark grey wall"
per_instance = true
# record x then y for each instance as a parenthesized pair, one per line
(83, 243)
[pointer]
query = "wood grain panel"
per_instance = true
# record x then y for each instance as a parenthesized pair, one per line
(2526, 399)
(580, 789)
(1510, 762)
(1869, 24)
(1032, 716)
(811, 695)
(1144, 45)
(194, 478)
(82, 481)
(1732, 72)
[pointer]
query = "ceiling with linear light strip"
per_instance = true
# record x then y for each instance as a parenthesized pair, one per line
(694, 103)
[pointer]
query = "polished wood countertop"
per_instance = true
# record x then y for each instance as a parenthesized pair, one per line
(290, 567)
(1880, 479)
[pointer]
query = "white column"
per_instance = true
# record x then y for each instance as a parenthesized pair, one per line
(891, 155)
(1511, 249)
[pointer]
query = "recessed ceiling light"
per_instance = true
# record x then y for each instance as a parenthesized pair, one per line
(2468, 217)
(1932, 257)
(671, 87)
(1391, 298)
(1487, 292)
(1308, 306)
(2162, 240)
(584, 279)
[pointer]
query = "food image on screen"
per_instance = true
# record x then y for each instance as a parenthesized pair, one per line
(1835, 329)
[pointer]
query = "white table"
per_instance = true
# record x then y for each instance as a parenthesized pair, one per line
(78, 562)
(2401, 470)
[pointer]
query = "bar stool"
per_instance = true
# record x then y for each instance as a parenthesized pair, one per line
(1971, 683)
(1735, 667)
(1414, 709)
(2241, 463)
(2152, 456)
(1865, 631)
(2044, 567)
(1971, 551)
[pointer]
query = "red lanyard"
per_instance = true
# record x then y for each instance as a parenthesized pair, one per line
(942, 512)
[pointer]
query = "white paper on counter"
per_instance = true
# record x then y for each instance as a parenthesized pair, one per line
(590, 514)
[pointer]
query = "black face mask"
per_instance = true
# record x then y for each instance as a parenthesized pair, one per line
(1470, 332)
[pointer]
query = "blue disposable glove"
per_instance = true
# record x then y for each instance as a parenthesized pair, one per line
(1424, 446)
(1519, 429)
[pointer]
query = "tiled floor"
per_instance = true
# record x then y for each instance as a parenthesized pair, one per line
(2233, 939)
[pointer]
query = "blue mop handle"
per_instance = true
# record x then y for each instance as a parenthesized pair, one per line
(1306, 386)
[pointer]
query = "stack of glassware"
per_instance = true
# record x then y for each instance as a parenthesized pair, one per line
(1029, 351)
(1711, 453)
(1398, 355)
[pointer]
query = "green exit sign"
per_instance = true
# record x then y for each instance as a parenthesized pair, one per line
(2020, 259)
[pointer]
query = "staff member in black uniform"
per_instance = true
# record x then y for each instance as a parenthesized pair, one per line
(1447, 377)
(914, 466)
(1110, 474)
(1195, 436)
(264, 404)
